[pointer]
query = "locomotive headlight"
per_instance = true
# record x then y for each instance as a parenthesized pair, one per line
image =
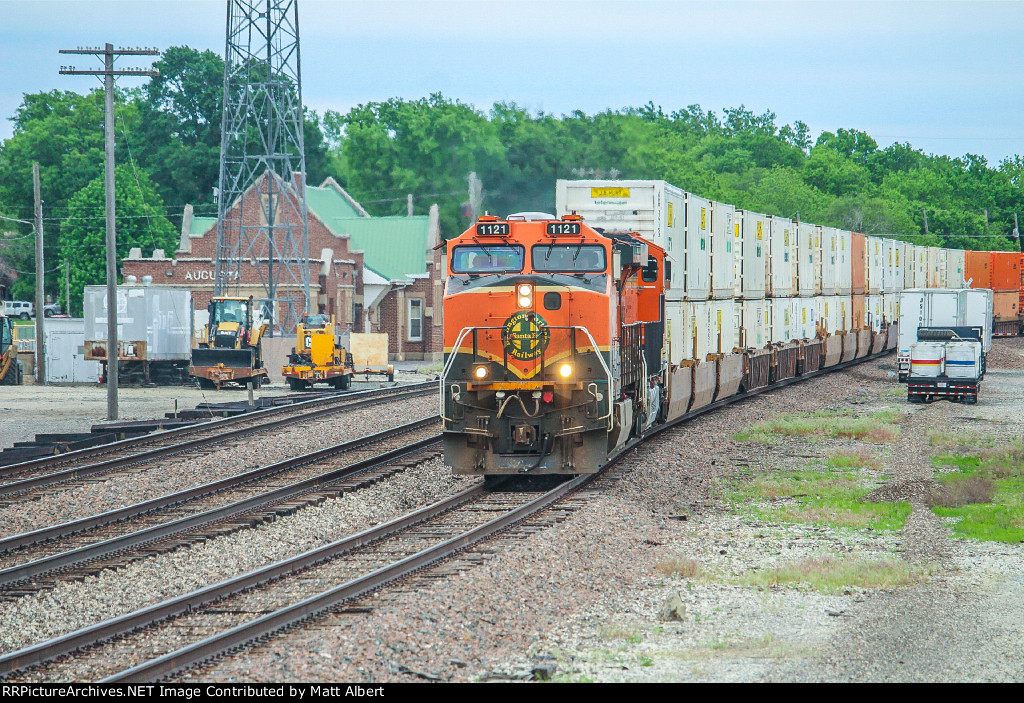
(565, 370)
(525, 291)
(480, 373)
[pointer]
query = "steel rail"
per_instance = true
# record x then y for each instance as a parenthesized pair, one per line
(59, 477)
(23, 572)
(178, 605)
(206, 425)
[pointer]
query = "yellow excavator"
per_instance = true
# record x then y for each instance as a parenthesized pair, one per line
(230, 350)
(10, 366)
(318, 356)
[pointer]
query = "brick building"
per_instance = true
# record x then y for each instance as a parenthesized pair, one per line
(376, 274)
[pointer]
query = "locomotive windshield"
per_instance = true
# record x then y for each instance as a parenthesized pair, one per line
(498, 258)
(581, 258)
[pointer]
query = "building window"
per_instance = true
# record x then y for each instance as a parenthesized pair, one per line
(415, 319)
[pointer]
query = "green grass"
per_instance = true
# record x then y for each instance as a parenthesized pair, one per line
(875, 427)
(830, 573)
(985, 494)
(862, 458)
(830, 497)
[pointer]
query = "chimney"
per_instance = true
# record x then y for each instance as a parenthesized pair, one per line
(185, 243)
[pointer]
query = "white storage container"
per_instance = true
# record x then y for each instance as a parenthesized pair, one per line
(697, 284)
(936, 267)
(781, 273)
(874, 270)
(65, 353)
(754, 322)
(921, 268)
(910, 266)
(783, 328)
(713, 325)
(829, 268)
(844, 262)
(160, 316)
(756, 229)
(808, 247)
(957, 307)
(926, 359)
(845, 318)
(678, 331)
(805, 317)
(963, 360)
(828, 313)
(725, 227)
(955, 268)
(653, 209)
(873, 312)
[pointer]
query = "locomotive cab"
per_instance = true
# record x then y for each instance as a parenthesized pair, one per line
(552, 336)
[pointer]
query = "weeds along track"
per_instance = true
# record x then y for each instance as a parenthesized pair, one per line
(195, 629)
(35, 561)
(30, 480)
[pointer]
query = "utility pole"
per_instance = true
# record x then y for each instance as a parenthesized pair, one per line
(924, 211)
(109, 53)
(1016, 231)
(408, 206)
(67, 287)
(40, 274)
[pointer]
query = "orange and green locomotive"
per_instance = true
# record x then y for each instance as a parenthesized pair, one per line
(554, 345)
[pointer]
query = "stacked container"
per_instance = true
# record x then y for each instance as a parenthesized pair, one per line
(808, 245)
(875, 267)
(756, 229)
(781, 270)
(829, 258)
(724, 226)
(955, 259)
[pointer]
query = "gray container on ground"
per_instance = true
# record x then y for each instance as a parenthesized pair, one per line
(160, 316)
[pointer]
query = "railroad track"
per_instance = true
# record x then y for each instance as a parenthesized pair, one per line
(30, 480)
(197, 627)
(37, 560)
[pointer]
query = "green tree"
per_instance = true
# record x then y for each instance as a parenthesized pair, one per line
(140, 223)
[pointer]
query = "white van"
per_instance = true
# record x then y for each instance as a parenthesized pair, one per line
(19, 308)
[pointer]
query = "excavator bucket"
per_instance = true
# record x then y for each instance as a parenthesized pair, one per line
(230, 358)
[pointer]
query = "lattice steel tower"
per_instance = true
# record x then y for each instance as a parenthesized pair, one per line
(262, 143)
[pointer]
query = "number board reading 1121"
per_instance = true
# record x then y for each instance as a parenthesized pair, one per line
(563, 228)
(492, 229)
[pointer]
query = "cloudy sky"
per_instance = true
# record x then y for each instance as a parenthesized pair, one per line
(946, 76)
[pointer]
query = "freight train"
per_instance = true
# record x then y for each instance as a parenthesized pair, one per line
(568, 336)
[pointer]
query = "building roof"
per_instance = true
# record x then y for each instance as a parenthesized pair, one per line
(200, 225)
(393, 247)
(327, 202)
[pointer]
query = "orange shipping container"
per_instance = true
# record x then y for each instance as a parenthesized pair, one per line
(1006, 271)
(859, 252)
(1006, 305)
(858, 311)
(978, 268)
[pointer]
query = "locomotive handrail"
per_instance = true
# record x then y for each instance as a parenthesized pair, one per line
(593, 343)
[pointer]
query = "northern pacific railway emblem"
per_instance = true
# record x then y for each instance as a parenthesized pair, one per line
(525, 335)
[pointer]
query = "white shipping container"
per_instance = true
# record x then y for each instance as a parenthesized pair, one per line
(725, 227)
(828, 313)
(160, 316)
(829, 269)
(805, 314)
(844, 262)
(783, 328)
(936, 267)
(875, 267)
(957, 307)
(653, 209)
(756, 229)
(874, 311)
(697, 284)
(845, 318)
(714, 324)
(678, 331)
(955, 268)
(781, 271)
(921, 268)
(754, 319)
(909, 266)
(808, 259)
(65, 352)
